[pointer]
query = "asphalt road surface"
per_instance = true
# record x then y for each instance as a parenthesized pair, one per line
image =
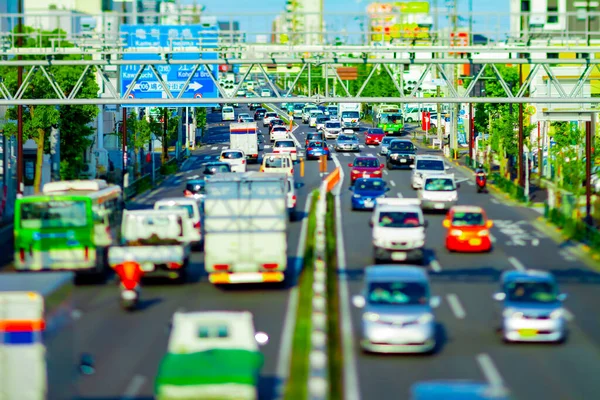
(127, 347)
(470, 347)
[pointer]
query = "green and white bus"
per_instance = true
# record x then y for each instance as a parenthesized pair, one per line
(68, 227)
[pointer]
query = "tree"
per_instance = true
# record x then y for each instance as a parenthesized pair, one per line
(37, 120)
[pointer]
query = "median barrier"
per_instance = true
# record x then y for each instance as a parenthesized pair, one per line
(332, 179)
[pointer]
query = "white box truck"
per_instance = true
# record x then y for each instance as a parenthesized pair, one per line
(245, 228)
(244, 136)
(349, 114)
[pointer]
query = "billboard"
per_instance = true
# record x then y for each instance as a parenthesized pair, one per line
(406, 20)
(147, 85)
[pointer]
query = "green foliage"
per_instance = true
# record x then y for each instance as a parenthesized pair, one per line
(73, 121)
(567, 155)
(200, 117)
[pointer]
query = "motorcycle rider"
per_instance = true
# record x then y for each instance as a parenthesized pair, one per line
(480, 177)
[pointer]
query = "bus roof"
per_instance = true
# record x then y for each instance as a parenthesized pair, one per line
(77, 185)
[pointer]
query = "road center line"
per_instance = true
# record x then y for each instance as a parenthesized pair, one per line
(455, 306)
(351, 386)
(517, 264)
(134, 388)
(434, 264)
(489, 370)
(289, 322)
(392, 183)
(385, 172)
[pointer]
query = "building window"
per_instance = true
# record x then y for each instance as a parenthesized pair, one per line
(584, 56)
(553, 55)
(525, 6)
(552, 8)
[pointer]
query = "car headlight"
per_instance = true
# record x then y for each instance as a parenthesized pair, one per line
(512, 313)
(357, 196)
(425, 318)
(456, 232)
(557, 314)
(419, 243)
(371, 317)
(484, 232)
(394, 155)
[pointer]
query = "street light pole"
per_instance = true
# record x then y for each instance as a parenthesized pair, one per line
(521, 137)
(20, 187)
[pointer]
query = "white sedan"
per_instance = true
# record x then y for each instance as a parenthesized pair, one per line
(279, 132)
(235, 158)
(286, 146)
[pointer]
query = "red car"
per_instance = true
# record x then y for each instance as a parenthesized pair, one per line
(365, 167)
(374, 136)
(468, 230)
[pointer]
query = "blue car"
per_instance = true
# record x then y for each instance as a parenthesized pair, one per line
(316, 149)
(367, 191)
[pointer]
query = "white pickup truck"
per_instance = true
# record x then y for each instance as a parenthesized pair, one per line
(159, 241)
(398, 230)
(245, 228)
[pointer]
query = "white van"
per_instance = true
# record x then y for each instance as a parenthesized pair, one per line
(277, 163)
(426, 165)
(414, 114)
(439, 192)
(227, 114)
(193, 210)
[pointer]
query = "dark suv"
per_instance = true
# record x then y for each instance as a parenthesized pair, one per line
(401, 153)
(259, 113)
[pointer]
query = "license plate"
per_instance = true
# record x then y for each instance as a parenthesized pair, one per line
(147, 267)
(438, 206)
(527, 332)
(399, 256)
(475, 242)
(368, 203)
(403, 161)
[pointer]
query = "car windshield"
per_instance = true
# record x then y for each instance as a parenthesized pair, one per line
(322, 118)
(401, 145)
(298, 106)
(271, 115)
(232, 155)
(440, 184)
(347, 137)
(274, 162)
(399, 219)
(279, 128)
(195, 187)
(531, 292)
(397, 293)
(376, 131)
(394, 119)
(227, 110)
(316, 144)
(213, 169)
(261, 110)
(54, 214)
(276, 122)
(468, 219)
(350, 114)
(367, 163)
(333, 125)
(431, 165)
(387, 140)
(187, 207)
(313, 136)
(284, 143)
(369, 184)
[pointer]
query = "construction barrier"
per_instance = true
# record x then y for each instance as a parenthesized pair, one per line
(332, 179)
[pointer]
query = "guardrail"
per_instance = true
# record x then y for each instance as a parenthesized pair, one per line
(318, 382)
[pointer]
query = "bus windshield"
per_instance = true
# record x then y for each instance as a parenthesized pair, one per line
(54, 214)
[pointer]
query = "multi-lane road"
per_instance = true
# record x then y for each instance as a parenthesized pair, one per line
(127, 347)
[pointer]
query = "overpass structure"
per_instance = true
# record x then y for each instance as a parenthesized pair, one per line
(312, 61)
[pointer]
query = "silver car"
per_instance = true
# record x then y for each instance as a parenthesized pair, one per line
(321, 121)
(332, 129)
(385, 145)
(397, 310)
(531, 307)
(345, 142)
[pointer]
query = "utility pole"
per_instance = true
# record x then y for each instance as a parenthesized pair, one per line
(124, 123)
(20, 187)
(589, 132)
(438, 91)
(521, 167)
(456, 107)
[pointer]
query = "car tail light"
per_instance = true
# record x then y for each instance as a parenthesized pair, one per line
(293, 151)
(197, 225)
(294, 200)
(221, 267)
(86, 253)
(270, 266)
(262, 169)
(310, 149)
(243, 161)
(174, 265)
(187, 193)
(22, 255)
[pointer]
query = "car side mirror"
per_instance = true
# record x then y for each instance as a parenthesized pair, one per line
(435, 301)
(412, 166)
(261, 338)
(562, 297)
(358, 301)
(349, 164)
(489, 224)
(446, 223)
(447, 167)
(499, 296)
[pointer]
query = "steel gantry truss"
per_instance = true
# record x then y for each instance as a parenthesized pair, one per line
(328, 58)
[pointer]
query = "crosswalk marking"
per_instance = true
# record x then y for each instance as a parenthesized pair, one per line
(346, 155)
(214, 148)
(362, 146)
(371, 146)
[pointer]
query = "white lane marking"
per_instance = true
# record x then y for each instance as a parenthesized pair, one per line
(362, 146)
(371, 146)
(489, 370)
(351, 387)
(400, 195)
(385, 172)
(493, 200)
(455, 306)
(225, 147)
(289, 322)
(346, 154)
(492, 238)
(392, 183)
(517, 264)
(535, 242)
(214, 148)
(134, 388)
(434, 264)
(470, 183)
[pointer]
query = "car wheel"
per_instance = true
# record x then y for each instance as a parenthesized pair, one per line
(409, 120)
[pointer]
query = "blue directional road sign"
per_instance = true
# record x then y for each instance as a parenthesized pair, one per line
(175, 76)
